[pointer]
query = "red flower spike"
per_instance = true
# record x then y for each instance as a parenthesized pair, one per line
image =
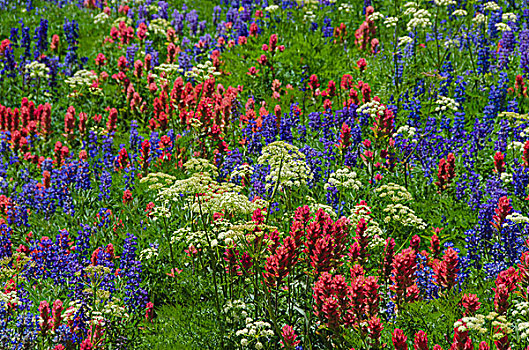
(420, 341)
(288, 338)
(504, 209)
(470, 303)
(499, 163)
(399, 340)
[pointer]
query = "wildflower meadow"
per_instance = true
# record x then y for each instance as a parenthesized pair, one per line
(264, 174)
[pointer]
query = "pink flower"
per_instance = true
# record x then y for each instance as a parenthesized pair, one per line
(289, 338)
(362, 64)
(399, 340)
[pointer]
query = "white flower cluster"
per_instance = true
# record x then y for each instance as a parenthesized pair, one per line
(198, 183)
(517, 218)
(127, 21)
(502, 27)
(375, 16)
(82, 78)
(195, 238)
(516, 145)
(71, 310)
(407, 132)
(115, 310)
(343, 179)
(421, 19)
(229, 202)
(168, 68)
(287, 165)
(200, 165)
(403, 215)
(271, 8)
(202, 71)
(410, 7)
(373, 108)
(445, 2)
(158, 27)
(491, 6)
(506, 177)
(101, 18)
(10, 297)
(158, 180)
(391, 22)
(345, 7)
(460, 13)
(314, 206)
(444, 103)
(480, 19)
(235, 310)
(395, 192)
(451, 43)
(509, 17)
(478, 324)
(404, 40)
(253, 332)
(309, 16)
(148, 253)
(521, 311)
(374, 232)
(37, 70)
(243, 170)
(248, 233)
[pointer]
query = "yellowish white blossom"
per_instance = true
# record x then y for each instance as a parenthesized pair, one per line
(343, 179)
(287, 165)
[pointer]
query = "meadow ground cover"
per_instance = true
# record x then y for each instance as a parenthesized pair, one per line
(255, 174)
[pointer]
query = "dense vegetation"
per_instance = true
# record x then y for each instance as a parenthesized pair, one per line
(264, 174)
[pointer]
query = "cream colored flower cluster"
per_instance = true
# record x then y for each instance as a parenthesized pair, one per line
(11, 298)
(235, 311)
(148, 253)
(287, 165)
(420, 19)
(403, 215)
(373, 108)
(244, 171)
(375, 16)
(460, 13)
(374, 232)
(343, 179)
(445, 2)
(271, 8)
(345, 7)
(517, 218)
(407, 132)
(479, 322)
(127, 21)
(202, 71)
(394, 192)
(158, 180)
(81, 78)
(480, 19)
(168, 68)
(521, 313)
(391, 22)
(404, 40)
(444, 103)
(37, 70)
(491, 6)
(253, 332)
(158, 27)
(200, 165)
(314, 206)
(101, 18)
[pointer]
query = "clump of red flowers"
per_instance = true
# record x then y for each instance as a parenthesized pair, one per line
(446, 172)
